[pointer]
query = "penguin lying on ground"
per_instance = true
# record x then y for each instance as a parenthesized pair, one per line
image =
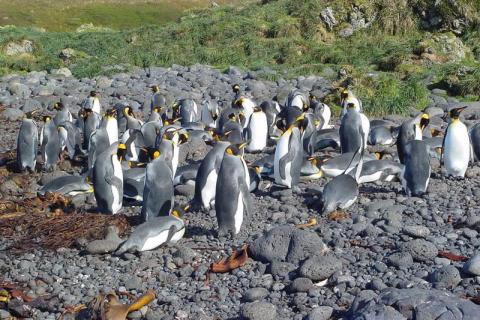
(67, 185)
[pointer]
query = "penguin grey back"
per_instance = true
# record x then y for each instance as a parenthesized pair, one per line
(158, 191)
(417, 169)
(27, 145)
(350, 132)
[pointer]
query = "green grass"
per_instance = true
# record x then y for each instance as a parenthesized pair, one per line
(287, 36)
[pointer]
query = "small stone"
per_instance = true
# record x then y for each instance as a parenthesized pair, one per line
(258, 311)
(319, 268)
(320, 313)
(400, 259)
(421, 250)
(446, 277)
(472, 266)
(255, 294)
(416, 231)
(301, 285)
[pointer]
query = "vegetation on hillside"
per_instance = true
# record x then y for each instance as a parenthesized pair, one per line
(389, 51)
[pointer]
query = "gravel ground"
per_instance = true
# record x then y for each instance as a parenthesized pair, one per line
(381, 261)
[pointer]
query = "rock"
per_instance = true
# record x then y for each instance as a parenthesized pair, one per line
(346, 32)
(421, 250)
(446, 277)
(304, 244)
(19, 89)
(472, 265)
(14, 48)
(328, 18)
(255, 294)
(280, 268)
(412, 303)
(66, 54)
(258, 311)
(400, 259)
(287, 243)
(103, 82)
(109, 244)
(318, 268)
(416, 231)
(62, 71)
(4, 314)
(12, 114)
(320, 313)
(273, 245)
(301, 285)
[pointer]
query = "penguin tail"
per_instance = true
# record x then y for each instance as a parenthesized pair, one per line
(122, 248)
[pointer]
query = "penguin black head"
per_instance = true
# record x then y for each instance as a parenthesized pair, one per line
(29, 115)
(58, 106)
(344, 94)
(455, 113)
(424, 121)
(157, 109)
(350, 105)
(281, 125)
(127, 111)
(179, 211)
(232, 116)
(183, 138)
(155, 88)
(236, 149)
(257, 109)
(239, 103)
(301, 122)
(121, 151)
(93, 93)
(112, 113)
(47, 119)
(312, 97)
(236, 88)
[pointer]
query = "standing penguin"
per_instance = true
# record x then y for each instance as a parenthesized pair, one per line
(187, 110)
(410, 130)
(256, 132)
(271, 110)
(91, 123)
(27, 144)
(158, 191)
(457, 149)
(321, 110)
(108, 180)
(49, 144)
(354, 129)
(416, 172)
(232, 200)
(475, 139)
(247, 106)
(157, 100)
(63, 113)
(206, 180)
(92, 102)
(209, 113)
(347, 97)
(288, 158)
(69, 137)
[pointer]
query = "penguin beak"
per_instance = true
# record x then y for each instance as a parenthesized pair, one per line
(243, 145)
(258, 170)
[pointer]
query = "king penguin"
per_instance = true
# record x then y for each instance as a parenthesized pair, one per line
(289, 155)
(63, 113)
(232, 200)
(410, 130)
(207, 175)
(347, 97)
(256, 132)
(153, 233)
(92, 102)
(91, 123)
(354, 129)
(108, 180)
(157, 100)
(158, 191)
(457, 150)
(27, 144)
(49, 144)
(416, 172)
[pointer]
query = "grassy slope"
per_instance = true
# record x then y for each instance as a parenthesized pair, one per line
(285, 35)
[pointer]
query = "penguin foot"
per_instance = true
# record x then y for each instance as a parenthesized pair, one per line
(310, 223)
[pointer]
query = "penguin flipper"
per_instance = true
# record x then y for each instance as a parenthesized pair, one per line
(171, 232)
(114, 181)
(443, 145)
(244, 189)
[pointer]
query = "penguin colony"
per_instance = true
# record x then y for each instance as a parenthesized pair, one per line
(130, 161)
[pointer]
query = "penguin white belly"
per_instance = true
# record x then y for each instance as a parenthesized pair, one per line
(365, 128)
(370, 178)
(259, 128)
(457, 150)
(333, 172)
(112, 131)
(347, 204)
(208, 190)
(155, 241)
(280, 151)
(247, 175)
(96, 106)
(418, 133)
(326, 115)
(63, 138)
(175, 159)
(239, 214)
(297, 101)
(178, 235)
(117, 197)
